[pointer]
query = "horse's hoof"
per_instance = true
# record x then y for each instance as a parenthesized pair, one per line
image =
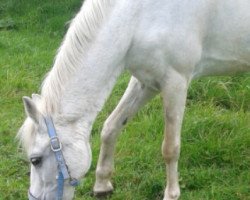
(103, 195)
(103, 189)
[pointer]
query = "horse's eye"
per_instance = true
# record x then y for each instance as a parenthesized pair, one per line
(36, 161)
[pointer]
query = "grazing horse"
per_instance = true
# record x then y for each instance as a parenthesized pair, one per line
(164, 44)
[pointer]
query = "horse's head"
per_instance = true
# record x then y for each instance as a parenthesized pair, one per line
(65, 156)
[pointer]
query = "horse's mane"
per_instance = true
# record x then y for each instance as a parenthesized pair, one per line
(82, 31)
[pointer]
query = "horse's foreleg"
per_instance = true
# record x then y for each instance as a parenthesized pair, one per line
(134, 97)
(174, 96)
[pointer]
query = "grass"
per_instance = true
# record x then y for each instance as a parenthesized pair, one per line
(215, 157)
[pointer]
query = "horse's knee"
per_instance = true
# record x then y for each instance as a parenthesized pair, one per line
(107, 135)
(109, 132)
(170, 151)
(112, 127)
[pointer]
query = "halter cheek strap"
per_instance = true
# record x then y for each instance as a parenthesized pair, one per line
(56, 147)
(63, 173)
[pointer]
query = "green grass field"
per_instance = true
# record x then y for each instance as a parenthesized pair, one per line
(215, 157)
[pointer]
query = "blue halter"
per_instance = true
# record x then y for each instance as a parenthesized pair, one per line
(63, 173)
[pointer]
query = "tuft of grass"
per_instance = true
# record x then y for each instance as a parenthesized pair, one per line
(215, 157)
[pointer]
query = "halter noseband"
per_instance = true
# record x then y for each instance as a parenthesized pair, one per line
(63, 172)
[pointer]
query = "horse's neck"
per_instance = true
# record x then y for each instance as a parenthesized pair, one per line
(87, 92)
(84, 93)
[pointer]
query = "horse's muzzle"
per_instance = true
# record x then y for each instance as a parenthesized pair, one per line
(31, 196)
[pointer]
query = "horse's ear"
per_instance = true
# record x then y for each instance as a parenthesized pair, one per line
(36, 98)
(31, 109)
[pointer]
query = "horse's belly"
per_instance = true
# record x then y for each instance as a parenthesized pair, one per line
(212, 66)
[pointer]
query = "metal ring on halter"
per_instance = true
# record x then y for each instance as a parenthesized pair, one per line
(55, 144)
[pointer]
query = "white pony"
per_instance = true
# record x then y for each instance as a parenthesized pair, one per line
(164, 44)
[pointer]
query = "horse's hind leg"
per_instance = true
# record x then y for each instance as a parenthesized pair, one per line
(174, 96)
(134, 97)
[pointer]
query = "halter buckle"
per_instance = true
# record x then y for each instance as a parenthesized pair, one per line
(55, 144)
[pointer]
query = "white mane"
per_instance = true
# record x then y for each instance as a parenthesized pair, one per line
(83, 30)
